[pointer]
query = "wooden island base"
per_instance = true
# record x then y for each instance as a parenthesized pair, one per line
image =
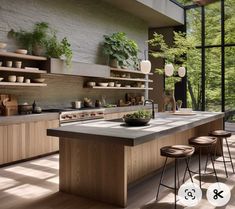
(103, 170)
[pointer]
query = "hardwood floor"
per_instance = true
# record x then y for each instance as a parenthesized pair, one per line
(34, 185)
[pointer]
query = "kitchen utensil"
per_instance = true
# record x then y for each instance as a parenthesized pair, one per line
(97, 103)
(87, 102)
(21, 51)
(12, 78)
(18, 64)
(111, 84)
(38, 80)
(103, 84)
(25, 109)
(9, 63)
(91, 84)
(20, 79)
(136, 121)
(27, 80)
(2, 45)
(1, 79)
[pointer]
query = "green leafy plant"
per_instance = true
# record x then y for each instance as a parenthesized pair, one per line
(140, 114)
(174, 54)
(31, 40)
(118, 47)
(43, 39)
(57, 49)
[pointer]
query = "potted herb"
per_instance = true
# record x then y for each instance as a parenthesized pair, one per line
(58, 49)
(138, 118)
(34, 41)
(120, 50)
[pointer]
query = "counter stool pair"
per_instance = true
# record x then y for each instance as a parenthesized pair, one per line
(185, 152)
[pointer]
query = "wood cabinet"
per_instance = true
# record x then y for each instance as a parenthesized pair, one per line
(26, 140)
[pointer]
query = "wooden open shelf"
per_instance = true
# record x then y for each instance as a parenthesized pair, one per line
(22, 56)
(8, 84)
(128, 71)
(120, 88)
(21, 70)
(129, 79)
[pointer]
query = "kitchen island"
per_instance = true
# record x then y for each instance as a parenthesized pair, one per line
(101, 159)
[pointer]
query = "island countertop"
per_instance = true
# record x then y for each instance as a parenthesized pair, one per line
(115, 131)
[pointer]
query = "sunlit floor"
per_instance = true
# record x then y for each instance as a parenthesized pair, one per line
(34, 185)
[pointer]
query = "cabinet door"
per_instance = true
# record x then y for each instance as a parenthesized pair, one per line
(3, 144)
(15, 142)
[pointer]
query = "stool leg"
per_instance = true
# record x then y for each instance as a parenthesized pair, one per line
(207, 157)
(199, 160)
(176, 169)
(222, 151)
(178, 178)
(187, 167)
(187, 164)
(160, 183)
(213, 165)
(229, 153)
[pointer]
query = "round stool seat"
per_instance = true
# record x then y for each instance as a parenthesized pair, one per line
(202, 141)
(220, 133)
(177, 151)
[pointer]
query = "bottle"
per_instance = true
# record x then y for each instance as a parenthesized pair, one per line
(34, 106)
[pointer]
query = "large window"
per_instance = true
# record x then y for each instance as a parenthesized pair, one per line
(211, 72)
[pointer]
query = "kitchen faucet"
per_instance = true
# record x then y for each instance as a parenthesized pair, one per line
(150, 101)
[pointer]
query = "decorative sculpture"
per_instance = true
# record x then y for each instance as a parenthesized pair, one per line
(169, 99)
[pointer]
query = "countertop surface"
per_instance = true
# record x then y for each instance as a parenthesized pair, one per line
(116, 131)
(7, 120)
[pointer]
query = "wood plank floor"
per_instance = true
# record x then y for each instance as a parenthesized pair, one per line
(34, 185)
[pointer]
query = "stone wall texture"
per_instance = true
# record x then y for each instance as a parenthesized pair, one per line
(83, 22)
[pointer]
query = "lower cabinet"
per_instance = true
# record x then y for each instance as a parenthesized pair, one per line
(26, 140)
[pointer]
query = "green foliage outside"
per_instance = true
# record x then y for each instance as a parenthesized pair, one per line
(213, 57)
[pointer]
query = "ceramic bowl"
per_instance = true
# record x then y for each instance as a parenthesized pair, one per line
(18, 64)
(91, 84)
(117, 85)
(111, 84)
(38, 80)
(2, 45)
(103, 84)
(9, 63)
(136, 121)
(20, 79)
(21, 51)
(12, 78)
(1, 79)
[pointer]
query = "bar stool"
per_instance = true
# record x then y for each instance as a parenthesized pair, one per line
(221, 135)
(199, 143)
(176, 152)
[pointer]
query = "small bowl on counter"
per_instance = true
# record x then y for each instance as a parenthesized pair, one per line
(136, 121)
(12, 78)
(25, 108)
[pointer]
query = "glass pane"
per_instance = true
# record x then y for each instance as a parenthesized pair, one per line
(213, 24)
(194, 80)
(229, 79)
(194, 24)
(229, 21)
(213, 79)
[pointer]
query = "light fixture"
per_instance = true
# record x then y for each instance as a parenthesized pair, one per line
(169, 69)
(181, 71)
(145, 65)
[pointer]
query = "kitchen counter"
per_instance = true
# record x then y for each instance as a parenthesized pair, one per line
(116, 131)
(101, 159)
(14, 119)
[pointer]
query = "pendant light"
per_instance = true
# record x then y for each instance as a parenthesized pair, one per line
(169, 69)
(181, 71)
(145, 65)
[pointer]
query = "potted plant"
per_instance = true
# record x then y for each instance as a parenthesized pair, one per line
(120, 50)
(34, 41)
(58, 49)
(43, 41)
